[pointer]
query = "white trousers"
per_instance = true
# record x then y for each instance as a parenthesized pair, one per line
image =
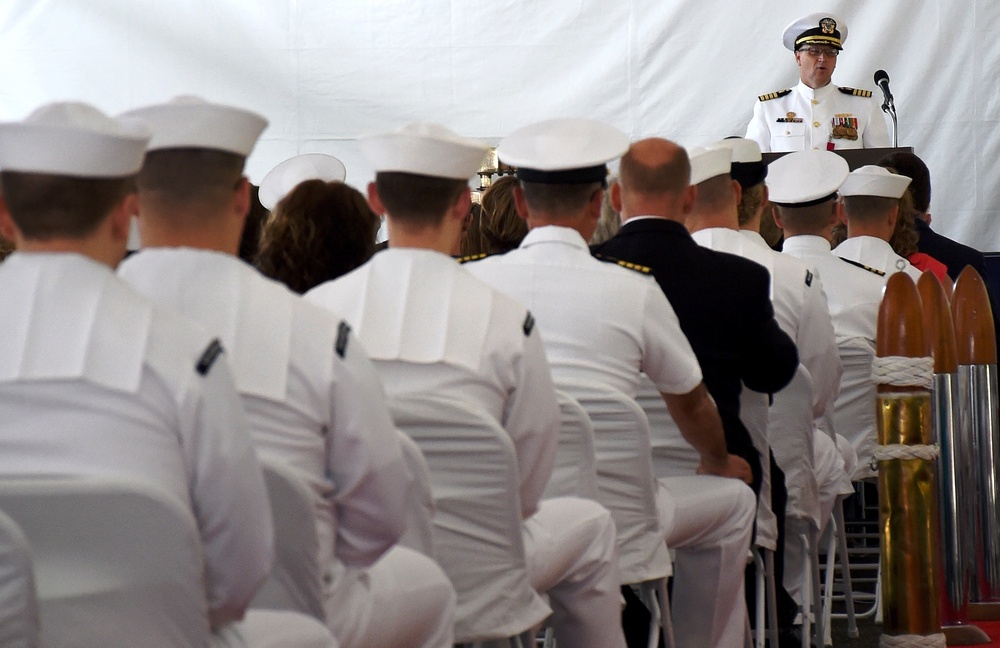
(708, 521)
(404, 600)
(572, 556)
(273, 629)
(833, 479)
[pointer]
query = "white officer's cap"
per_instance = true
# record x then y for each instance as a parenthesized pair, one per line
(192, 122)
(73, 139)
(563, 151)
(815, 29)
(709, 162)
(748, 166)
(280, 180)
(805, 178)
(424, 149)
(874, 180)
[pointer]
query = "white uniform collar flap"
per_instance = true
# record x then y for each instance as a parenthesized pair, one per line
(554, 234)
(66, 317)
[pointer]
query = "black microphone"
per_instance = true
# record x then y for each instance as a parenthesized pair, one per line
(882, 81)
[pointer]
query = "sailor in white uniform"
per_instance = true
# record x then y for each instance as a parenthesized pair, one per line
(95, 380)
(803, 189)
(605, 324)
(871, 208)
(313, 400)
(800, 309)
(431, 327)
(816, 114)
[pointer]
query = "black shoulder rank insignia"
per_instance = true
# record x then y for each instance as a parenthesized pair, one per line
(342, 332)
(863, 267)
(529, 324)
(774, 95)
(208, 357)
(855, 92)
(471, 257)
(809, 278)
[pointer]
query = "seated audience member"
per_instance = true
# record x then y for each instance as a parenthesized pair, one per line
(502, 227)
(952, 253)
(318, 232)
(6, 247)
(871, 210)
(606, 324)
(431, 327)
(313, 400)
(256, 216)
(96, 380)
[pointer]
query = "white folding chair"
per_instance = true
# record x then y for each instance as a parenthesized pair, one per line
(19, 626)
(672, 455)
(477, 522)
(627, 488)
(791, 434)
(574, 474)
(854, 409)
(419, 534)
(119, 564)
(295, 580)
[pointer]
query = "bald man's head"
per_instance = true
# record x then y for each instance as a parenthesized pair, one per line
(654, 166)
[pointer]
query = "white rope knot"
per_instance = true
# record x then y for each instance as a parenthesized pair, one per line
(912, 641)
(899, 451)
(901, 371)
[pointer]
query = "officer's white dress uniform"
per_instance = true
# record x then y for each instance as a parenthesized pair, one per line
(314, 404)
(96, 381)
(816, 114)
(605, 324)
(431, 327)
(827, 118)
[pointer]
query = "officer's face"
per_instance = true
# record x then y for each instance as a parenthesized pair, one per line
(816, 65)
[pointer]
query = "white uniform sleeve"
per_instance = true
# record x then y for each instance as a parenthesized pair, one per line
(817, 345)
(667, 357)
(876, 135)
(532, 420)
(365, 462)
(229, 498)
(757, 129)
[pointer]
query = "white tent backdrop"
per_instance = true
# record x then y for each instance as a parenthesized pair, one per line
(325, 71)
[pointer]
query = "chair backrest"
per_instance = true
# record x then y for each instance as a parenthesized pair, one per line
(478, 529)
(574, 474)
(854, 409)
(419, 534)
(116, 563)
(791, 431)
(673, 456)
(18, 599)
(295, 579)
(625, 481)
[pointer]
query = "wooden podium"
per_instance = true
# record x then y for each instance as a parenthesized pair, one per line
(855, 157)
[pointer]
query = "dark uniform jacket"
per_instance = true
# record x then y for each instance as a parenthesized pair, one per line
(722, 302)
(951, 253)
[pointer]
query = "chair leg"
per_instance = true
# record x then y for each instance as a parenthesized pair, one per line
(666, 620)
(772, 600)
(845, 568)
(818, 611)
(550, 638)
(807, 590)
(760, 624)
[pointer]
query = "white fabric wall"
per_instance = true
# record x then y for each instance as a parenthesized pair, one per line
(325, 71)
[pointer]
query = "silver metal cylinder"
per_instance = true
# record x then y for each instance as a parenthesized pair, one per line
(978, 386)
(956, 497)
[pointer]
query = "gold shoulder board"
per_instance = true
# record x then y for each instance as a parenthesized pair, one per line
(856, 92)
(774, 95)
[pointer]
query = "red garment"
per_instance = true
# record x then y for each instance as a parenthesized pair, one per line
(923, 262)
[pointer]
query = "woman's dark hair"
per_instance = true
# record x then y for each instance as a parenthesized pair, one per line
(318, 232)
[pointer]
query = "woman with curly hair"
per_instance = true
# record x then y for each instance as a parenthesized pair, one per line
(318, 232)
(501, 227)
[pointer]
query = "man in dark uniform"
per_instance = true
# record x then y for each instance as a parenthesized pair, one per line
(721, 300)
